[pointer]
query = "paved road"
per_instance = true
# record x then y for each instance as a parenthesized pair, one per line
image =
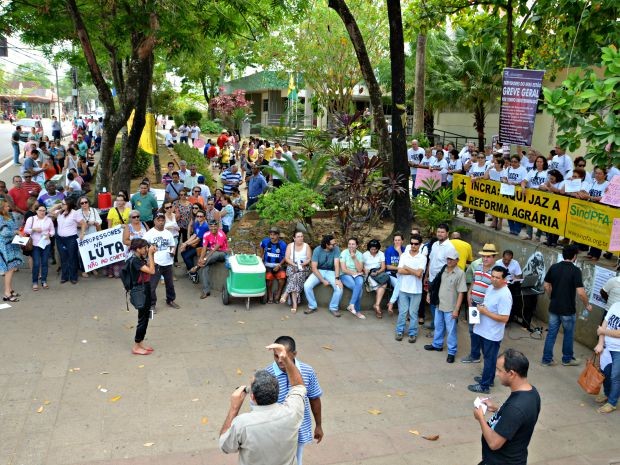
(59, 349)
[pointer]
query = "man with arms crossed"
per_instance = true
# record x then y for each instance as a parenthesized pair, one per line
(268, 434)
(507, 434)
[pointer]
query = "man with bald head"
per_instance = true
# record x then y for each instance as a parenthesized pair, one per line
(466, 255)
(414, 156)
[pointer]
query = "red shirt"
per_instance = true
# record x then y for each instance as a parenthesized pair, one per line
(212, 152)
(20, 197)
(31, 186)
(221, 140)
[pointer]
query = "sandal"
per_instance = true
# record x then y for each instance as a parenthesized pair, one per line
(35, 287)
(15, 294)
(378, 312)
(293, 310)
(44, 285)
(10, 298)
(283, 298)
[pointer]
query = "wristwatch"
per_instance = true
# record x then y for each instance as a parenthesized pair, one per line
(337, 277)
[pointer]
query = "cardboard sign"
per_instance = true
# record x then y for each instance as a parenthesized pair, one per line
(612, 194)
(423, 174)
(102, 248)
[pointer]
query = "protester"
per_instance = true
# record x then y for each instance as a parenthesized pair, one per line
(142, 268)
(10, 254)
(609, 339)
(227, 214)
(135, 229)
(214, 249)
(268, 434)
(411, 268)
(272, 252)
(352, 276)
(314, 394)
(68, 220)
(392, 257)
(257, 185)
(374, 265)
(437, 260)
(507, 434)
(298, 259)
(163, 240)
(145, 203)
(190, 249)
(41, 230)
(118, 216)
(93, 224)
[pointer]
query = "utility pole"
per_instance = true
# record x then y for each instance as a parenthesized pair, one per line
(74, 92)
(55, 65)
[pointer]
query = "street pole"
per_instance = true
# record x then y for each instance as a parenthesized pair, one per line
(57, 92)
(74, 92)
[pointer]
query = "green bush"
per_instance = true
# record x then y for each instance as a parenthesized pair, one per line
(178, 120)
(208, 126)
(192, 114)
(194, 156)
(21, 114)
(140, 164)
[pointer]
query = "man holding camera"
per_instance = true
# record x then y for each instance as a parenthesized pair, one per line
(268, 434)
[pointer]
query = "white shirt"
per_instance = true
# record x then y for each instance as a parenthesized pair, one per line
(438, 259)
(514, 269)
(562, 163)
(454, 165)
(613, 322)
(408, 282)
(195, 132)
(428, 161)
(495, 175)
(611, 172)
(371, 262)
(498, 301)
(612, 287)
(515, 175)
(415, 156)
(164, 242)
(442, 166)
(477, 171)
(536, 178)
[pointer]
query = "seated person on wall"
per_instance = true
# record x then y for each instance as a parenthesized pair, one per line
(191, 247)
(273, 253)
(374, 266)
(214, 249)
(326, 270)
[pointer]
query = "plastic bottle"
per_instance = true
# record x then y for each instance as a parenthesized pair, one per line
(584, 314)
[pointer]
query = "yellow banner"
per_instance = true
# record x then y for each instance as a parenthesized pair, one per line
(148, 139)
(590, 223)
(536, 208)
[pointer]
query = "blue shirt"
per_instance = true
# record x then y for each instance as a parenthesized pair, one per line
(273, 253)
(392, 257)
(200, 230)
(256, 186)
(314, 392)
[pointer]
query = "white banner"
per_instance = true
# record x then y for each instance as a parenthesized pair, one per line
(102, 248)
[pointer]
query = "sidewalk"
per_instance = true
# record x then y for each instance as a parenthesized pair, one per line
(60, 349)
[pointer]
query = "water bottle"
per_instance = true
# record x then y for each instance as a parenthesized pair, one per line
(584, 314)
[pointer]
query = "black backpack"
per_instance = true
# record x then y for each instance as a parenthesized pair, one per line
(128, 278)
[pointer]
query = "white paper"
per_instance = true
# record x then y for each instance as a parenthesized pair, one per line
(507, 189)
(479, 404)
(3, 306)
(43, 242)
(20, 240)
(572, 185)
(474, 316)
(601, 276)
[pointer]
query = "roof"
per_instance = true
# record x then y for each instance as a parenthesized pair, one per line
(263, 80)
(28, 91)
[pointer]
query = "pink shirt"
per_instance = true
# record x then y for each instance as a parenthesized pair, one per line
(210, 240)
(68, 225)
(46, 225)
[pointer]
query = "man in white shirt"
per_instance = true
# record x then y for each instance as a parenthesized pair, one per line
(494, 314)
(183, 171)
(561, 161)
(164, 258)
(437, 259)
(191, 179)
(268, 434)
(195, 132)
(513, 267)
(411, 266)
(414, 156)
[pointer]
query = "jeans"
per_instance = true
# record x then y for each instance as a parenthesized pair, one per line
(144, 315)
(515, 227)
(313, 281)
(40, 257)
(490, 349)
(568, 324)
(474, 351)
(166, 272)
(69, 257)
(188, 256)
(611, 384)
(15, 153)
(408, 304)
(444, 323)
(204, 271)
(395, 282)
(357, 286)
(434, 310)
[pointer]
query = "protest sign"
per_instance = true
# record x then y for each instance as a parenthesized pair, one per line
(520, 91)
(590, 223)
(423, 174)
(537, 208)
(612, 194)
(102, 248)
(601, 276)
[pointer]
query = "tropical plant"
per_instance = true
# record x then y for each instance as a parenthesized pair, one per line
(292, 202)
(208, 126)
(312, 144)
(280, 132)
(306, 171)
(140, 164)
(360, 193)
(434, 205)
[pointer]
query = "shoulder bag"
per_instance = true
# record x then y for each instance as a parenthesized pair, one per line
(591, 378)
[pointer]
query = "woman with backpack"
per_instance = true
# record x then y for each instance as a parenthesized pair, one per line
(141, 267)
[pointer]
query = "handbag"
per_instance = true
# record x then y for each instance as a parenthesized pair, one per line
(591, 378)
(137, 296)
(380, 278)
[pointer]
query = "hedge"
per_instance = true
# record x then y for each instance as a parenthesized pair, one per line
(141, 162)
(194, 156)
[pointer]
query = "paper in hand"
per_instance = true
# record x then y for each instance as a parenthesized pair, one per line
(479, 404)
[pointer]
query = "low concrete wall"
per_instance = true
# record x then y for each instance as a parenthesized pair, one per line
(540, 258)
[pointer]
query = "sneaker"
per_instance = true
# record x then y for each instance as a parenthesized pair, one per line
(399, 337)
(469, 359)
(412, 339)
(552, 363)
(336, 313)
(600, 399)
(607, 408)
(574, 362)
(477, 388)
(477, 379)
(193, 277)
(450, 358)
(432, 347)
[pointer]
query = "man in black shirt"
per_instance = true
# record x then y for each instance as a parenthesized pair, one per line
(507, 434)
(562, 282)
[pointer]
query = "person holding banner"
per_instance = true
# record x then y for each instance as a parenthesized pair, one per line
(454, 165)
(496, 173)
(593, 192)
(515, 175)
(142, 268)
(536, 177)
(68, 220)
(93, 224)
(477, 171)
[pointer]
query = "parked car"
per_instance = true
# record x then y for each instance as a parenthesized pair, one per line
(27, 124)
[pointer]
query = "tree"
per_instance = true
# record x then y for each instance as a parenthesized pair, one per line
(232, 108)
(586, 107)
(33, 72)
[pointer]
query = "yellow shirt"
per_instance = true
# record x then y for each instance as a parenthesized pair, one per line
(465, 252)
(225, 155)
(268, 153)
(115, 220)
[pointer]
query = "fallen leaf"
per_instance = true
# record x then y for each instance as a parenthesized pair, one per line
(432, 437)
(103, 390)
(99, 387)
(148, 444)
(412, 431)
(379, 381)
(374, 411)
(401, 393)
(327, 347)
(582, 405)
(140, 366)
(104, 373)
(84, 341)
(95, 317)
(40, 409)
(282, 319)
(115, 398)
(241, 322)
(388, 395)
(204, 420)
(239, 372)
(178, 426)
(286, 317)
(195, 400)
(46, 402)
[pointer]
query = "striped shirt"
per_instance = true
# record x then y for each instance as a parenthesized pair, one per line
(314, 392)
(227, 176)
(482, 281)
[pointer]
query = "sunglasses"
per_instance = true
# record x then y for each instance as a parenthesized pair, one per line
(195, 208)
(83, 203)
(167, 208)
(135, 217)
(415, 243)
(200, 216)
